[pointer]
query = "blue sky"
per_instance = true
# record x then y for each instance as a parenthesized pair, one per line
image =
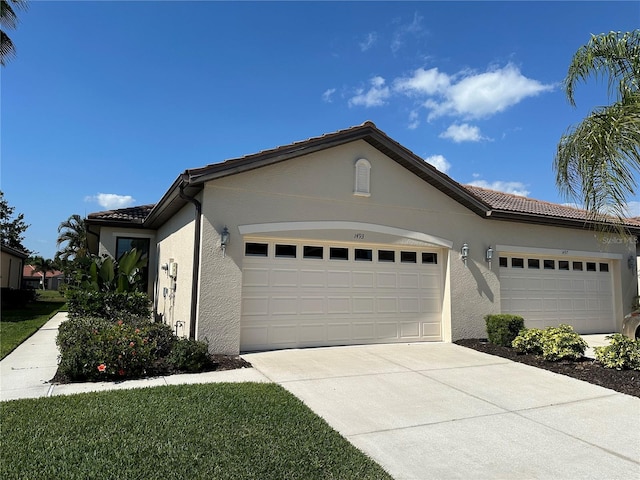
(107, 102)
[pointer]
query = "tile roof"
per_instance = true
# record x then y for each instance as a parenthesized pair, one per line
(29, 271)
(130, 215)
(508, 202)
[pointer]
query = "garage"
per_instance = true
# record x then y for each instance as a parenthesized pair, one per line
(314, 293)
(548, 290)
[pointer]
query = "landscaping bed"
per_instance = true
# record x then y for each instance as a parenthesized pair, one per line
(586, 369)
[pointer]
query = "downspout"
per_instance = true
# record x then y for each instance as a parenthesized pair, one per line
(196, 258)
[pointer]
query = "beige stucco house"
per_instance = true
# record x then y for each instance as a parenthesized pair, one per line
(350, 238)
(12, 262)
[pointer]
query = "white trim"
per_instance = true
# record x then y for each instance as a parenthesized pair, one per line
(556, 252)
(133, 234)
(343, 225)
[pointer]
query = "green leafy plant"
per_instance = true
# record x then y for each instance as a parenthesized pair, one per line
(562, 342)
(503, 328)
(622, 353)
(529, 340)
(190, 356)
(106, 274)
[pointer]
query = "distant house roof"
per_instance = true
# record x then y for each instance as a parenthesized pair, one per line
(29, 271)
(486, 203)
(14, 251)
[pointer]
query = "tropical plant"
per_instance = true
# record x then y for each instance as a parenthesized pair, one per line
(8, 20)
(43, 265)
(597, 161)
(12, 229)
(106, 274)
(72, 235)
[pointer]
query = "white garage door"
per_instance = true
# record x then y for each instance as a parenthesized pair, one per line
(550, 291)
(298, 294)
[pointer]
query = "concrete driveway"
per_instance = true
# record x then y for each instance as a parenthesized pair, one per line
(441, 411)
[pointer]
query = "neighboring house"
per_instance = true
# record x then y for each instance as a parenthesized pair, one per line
(12, 263)
(32, 278)
(350, 238)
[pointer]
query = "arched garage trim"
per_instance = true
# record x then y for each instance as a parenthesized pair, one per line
(342, 225)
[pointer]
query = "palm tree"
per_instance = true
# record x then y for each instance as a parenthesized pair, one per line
(73, 233)
(597, 161)
(43, 265)
(8, 19)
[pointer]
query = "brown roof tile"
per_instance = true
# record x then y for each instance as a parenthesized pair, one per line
(131, 214)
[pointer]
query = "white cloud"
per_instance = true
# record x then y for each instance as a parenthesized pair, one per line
(369, 41)
(462, 133)
(515, 188)
(374, 97)
(328, 94)
(423, 82)
(465, 94)
(111, 201)
(414, 120)
(485, 94)
(414, 29)
(439, 162)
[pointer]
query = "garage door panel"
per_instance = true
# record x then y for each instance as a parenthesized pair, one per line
(291, 302)
(583, 299)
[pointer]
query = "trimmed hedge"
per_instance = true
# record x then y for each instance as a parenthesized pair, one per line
(503, 328)
(90, 303)
(96, 349)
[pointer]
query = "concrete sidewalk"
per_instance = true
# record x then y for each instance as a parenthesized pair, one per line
(438, 410)
(27, 371)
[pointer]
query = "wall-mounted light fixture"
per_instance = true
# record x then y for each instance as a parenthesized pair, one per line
(631, 262)
(464, 252)
(489, 256)
(225, 237)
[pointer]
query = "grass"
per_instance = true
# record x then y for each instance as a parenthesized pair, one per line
(18, 324)
(218, 431)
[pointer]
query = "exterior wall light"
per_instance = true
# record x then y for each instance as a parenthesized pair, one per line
(464, 252)
(225, 237)
(631, 262)
(489, 256)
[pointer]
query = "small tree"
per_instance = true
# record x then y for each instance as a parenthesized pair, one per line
(12, 228)
(43, 265)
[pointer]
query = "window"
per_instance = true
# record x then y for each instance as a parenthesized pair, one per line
(549, 264)
(386, 256)
(338, 253)
(591, 267)
(604, 267)
(125, 244)
(408, 257)
(503, 262)
(363, 255)
(533, 263)
(362, 178)
(285, 251)
(563, 265)
(517, 263)
(429, 257)
(256, 249)
(310, 251)
(577, 266)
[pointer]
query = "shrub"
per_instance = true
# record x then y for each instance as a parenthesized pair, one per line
(529, 340)
(12, 298)
(562, 342)
(98, 349)
(621, 353)
(89, 303)
(503, 328)
(190, 356)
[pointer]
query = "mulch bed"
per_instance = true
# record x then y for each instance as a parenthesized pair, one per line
(586, 369)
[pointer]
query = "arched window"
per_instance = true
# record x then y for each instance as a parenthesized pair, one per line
(362, 178)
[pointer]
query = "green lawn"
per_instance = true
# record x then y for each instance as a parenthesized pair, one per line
(216, 431)
(16, 325)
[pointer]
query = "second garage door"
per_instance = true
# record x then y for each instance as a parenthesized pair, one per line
(547, 291)
(313, 293)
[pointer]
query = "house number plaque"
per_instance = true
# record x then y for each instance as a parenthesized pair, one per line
(359, 236)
